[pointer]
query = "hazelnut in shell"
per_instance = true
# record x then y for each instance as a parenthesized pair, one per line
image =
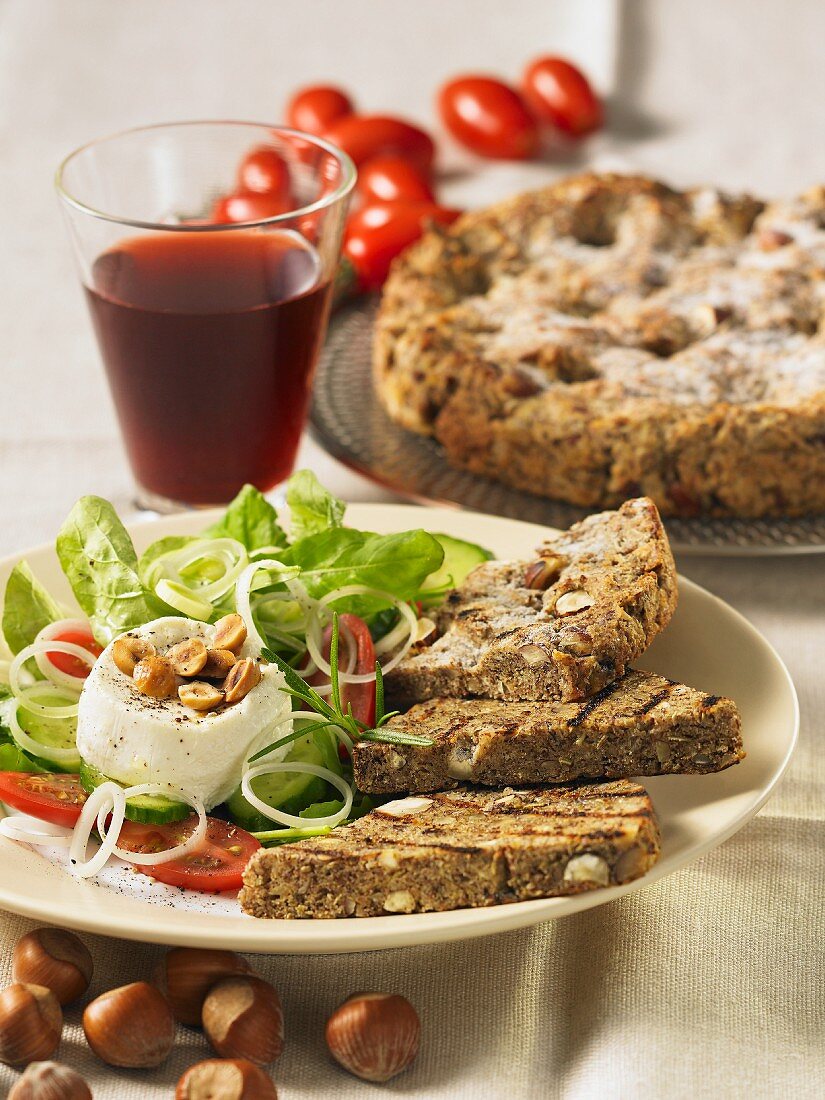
(242, 1018)
(50, 1081)
(56, 959)
(131, 1026)
(31, 1023)
(186, 975)
(217, 1079)
(374, 1035)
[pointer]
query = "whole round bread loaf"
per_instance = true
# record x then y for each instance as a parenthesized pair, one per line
(609, 337)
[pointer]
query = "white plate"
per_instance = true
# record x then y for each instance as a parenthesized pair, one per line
(708, 645)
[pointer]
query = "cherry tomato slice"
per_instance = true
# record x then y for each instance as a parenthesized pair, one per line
(376, 234)
(246, 206)
(316, 108)
(264, 172)
(488, 117)
(385, 179)
(361, 697)
(56, 798)
(74, 666)
(559, 93)
(366, 136)
(215, 867)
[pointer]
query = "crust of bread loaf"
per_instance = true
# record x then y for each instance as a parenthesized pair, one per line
(609, 336)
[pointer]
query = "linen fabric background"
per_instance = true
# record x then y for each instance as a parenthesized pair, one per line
(708, 984)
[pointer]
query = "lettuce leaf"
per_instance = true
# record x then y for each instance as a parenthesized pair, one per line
(250, 519)
(340, 556)
(312, 508)
(27, 608)
(101, 565)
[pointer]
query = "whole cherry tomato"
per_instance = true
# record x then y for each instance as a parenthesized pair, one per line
(559, 93)
(246, 206)
(314, 109)
(376, 234)
(264, 171)
(366, 136)
(385, 179)
(488, 117)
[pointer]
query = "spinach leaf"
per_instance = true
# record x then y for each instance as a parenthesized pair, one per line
(250, 519)
(340, 556)
(28, 607)
(100, 562)
(312, 508)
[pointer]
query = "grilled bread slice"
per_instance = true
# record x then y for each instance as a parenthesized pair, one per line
(641, 724)
(561, 626)
(459, 849)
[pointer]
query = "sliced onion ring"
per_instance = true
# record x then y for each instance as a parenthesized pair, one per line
(150, 859)
(47, 667)
(183, 599)
(26, 692)
(31, 830)
(107, 798)
(29, 696)
(27, 743)
(227, 552)
(314, 630)
(243, 589)
(299, 768)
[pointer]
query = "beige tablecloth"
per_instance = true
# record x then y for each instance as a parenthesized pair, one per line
(710, 983)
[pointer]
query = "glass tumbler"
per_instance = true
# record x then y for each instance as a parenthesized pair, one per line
(209, 328)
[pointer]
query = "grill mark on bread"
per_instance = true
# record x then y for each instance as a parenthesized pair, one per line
(494, 855)
(656, 699)
(587, 708)
(492, 742)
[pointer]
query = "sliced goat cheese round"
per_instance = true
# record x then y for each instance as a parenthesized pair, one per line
(133, 738)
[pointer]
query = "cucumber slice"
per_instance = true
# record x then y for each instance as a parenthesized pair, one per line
(146, 809)
(460, 558)
(286, 791)
(56, 733)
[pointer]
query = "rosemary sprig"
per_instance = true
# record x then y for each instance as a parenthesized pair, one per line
(334, 715)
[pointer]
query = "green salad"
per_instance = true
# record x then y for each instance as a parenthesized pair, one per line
(211, 687)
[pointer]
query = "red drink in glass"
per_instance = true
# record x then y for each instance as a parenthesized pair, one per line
(209, 341)
(209, 332)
